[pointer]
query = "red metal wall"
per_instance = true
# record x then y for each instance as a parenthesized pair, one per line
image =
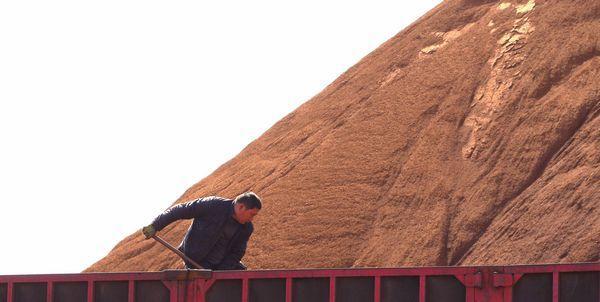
(530, 283)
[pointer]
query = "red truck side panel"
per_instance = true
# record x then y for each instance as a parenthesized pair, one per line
(527, 283)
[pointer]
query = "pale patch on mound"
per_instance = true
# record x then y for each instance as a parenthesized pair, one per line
(390, 77)
(432, 48)
(504, 5)
(447, 37)
(524, 8)
(489, 98)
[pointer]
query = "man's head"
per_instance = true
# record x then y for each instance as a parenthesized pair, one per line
(245, 207)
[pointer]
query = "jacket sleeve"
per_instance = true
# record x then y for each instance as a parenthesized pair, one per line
(233, 258)
(192, 209)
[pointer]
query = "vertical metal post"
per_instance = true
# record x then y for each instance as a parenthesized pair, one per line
(182, 291)
(555, 286)
(508, 294)
(377, 297)
(288, 289)
(195, 288)
(470, 293)
(131, 291)
(332, 289)
(49, 291)
(90, 291)
(245, 290)
(508, 291)
(203, 287)
(421, 288)
(9, 291)
(172, 286)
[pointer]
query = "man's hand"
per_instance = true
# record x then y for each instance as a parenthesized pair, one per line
(148, 231)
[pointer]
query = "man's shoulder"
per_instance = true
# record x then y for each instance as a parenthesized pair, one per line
(216, 200)
(215, 203)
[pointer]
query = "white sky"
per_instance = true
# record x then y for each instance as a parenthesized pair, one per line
(110, 110)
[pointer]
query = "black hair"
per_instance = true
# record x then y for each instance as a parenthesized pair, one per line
(250, 200)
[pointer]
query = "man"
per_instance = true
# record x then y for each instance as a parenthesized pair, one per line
(219, 233)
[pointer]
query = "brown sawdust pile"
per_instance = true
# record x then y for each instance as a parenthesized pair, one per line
(471, 137)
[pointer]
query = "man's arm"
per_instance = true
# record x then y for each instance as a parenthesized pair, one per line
(192, 209)
(233, 258)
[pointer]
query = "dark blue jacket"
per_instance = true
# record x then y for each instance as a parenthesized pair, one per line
(209, 214)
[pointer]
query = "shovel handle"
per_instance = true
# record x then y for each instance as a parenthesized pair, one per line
(176, 251)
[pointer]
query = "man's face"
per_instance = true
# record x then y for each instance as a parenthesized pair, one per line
(244, 215)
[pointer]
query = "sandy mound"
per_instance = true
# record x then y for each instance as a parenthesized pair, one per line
(471, 137)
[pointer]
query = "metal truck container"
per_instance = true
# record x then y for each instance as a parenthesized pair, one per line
(528, 283)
